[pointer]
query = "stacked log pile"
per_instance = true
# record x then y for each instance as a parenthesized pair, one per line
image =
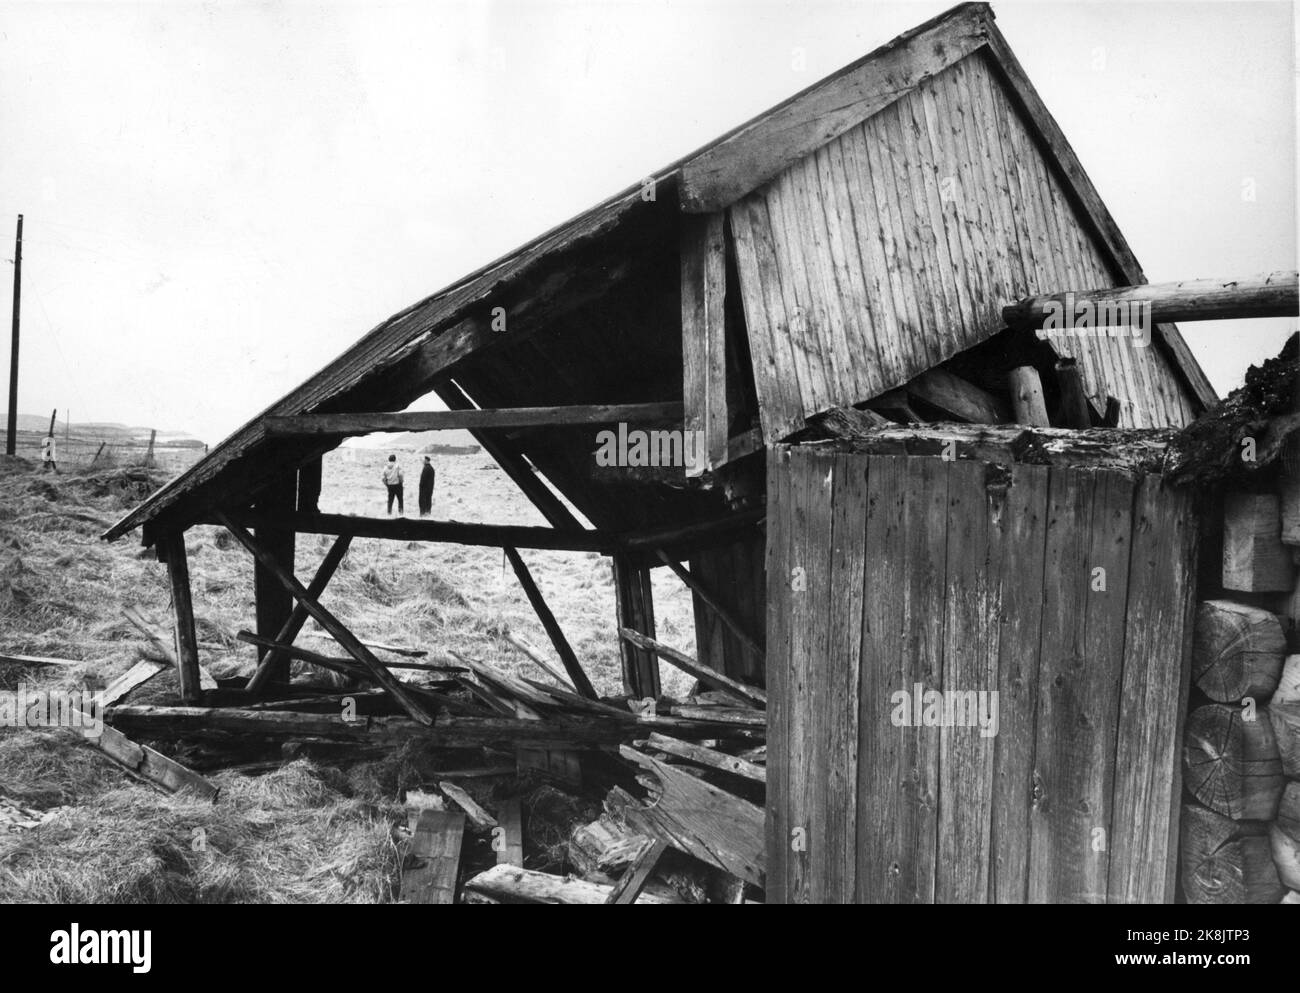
(1241, 757)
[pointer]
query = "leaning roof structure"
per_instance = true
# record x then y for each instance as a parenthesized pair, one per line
(832, 309)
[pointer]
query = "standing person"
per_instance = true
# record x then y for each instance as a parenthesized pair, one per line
(426, 488)
(47, 454)
(393, 480)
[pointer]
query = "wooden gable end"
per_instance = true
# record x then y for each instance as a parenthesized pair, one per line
(894, 246)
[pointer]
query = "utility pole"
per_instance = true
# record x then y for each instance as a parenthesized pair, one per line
(12, 441)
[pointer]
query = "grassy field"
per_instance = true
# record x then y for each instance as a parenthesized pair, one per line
(308, 831)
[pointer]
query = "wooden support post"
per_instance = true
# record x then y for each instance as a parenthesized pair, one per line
(1074, 402)
(187, 647)
(712, 602)
(309, 483)
(634, 607)
(571, 665)
(1027, 397)
(148, 455)
(704, 339)
(346, 639)
(275, 658)
(273, 602)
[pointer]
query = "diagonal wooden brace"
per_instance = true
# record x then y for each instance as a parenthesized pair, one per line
(346, 639)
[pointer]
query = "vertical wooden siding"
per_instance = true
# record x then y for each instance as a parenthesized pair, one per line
(896, 245)
(734, 575)
(885, 572)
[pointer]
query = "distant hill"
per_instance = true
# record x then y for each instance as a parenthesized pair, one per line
(109, 431)
(452, 442)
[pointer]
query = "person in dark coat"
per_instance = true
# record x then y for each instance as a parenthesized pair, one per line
(426, 488)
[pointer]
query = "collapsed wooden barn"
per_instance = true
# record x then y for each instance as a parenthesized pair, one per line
(865, 259)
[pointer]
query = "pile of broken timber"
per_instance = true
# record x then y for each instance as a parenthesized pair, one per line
(1241, 754)
(684, 777)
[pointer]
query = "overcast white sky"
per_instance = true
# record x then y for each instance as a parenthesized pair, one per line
(219, 198)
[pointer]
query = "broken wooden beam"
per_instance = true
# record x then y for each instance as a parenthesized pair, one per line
(706, 757)
(328, 621)
(536, 658)
(699, 670)
(570, 660)
(150, 766)
(518, 885)
(1273, 294)
(504, 418)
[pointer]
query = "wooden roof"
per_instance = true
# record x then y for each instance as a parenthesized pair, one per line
(569, 267)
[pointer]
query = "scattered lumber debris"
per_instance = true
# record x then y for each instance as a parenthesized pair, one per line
(702, 820)
(512, 884)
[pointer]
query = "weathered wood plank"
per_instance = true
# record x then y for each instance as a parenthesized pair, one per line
(970, 658)
(429, 875)
(1143, 837)
(843, 675)
(1018, 524)
(704, 339)
(761, 149)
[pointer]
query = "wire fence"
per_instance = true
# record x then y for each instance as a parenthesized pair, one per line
(81, 453)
